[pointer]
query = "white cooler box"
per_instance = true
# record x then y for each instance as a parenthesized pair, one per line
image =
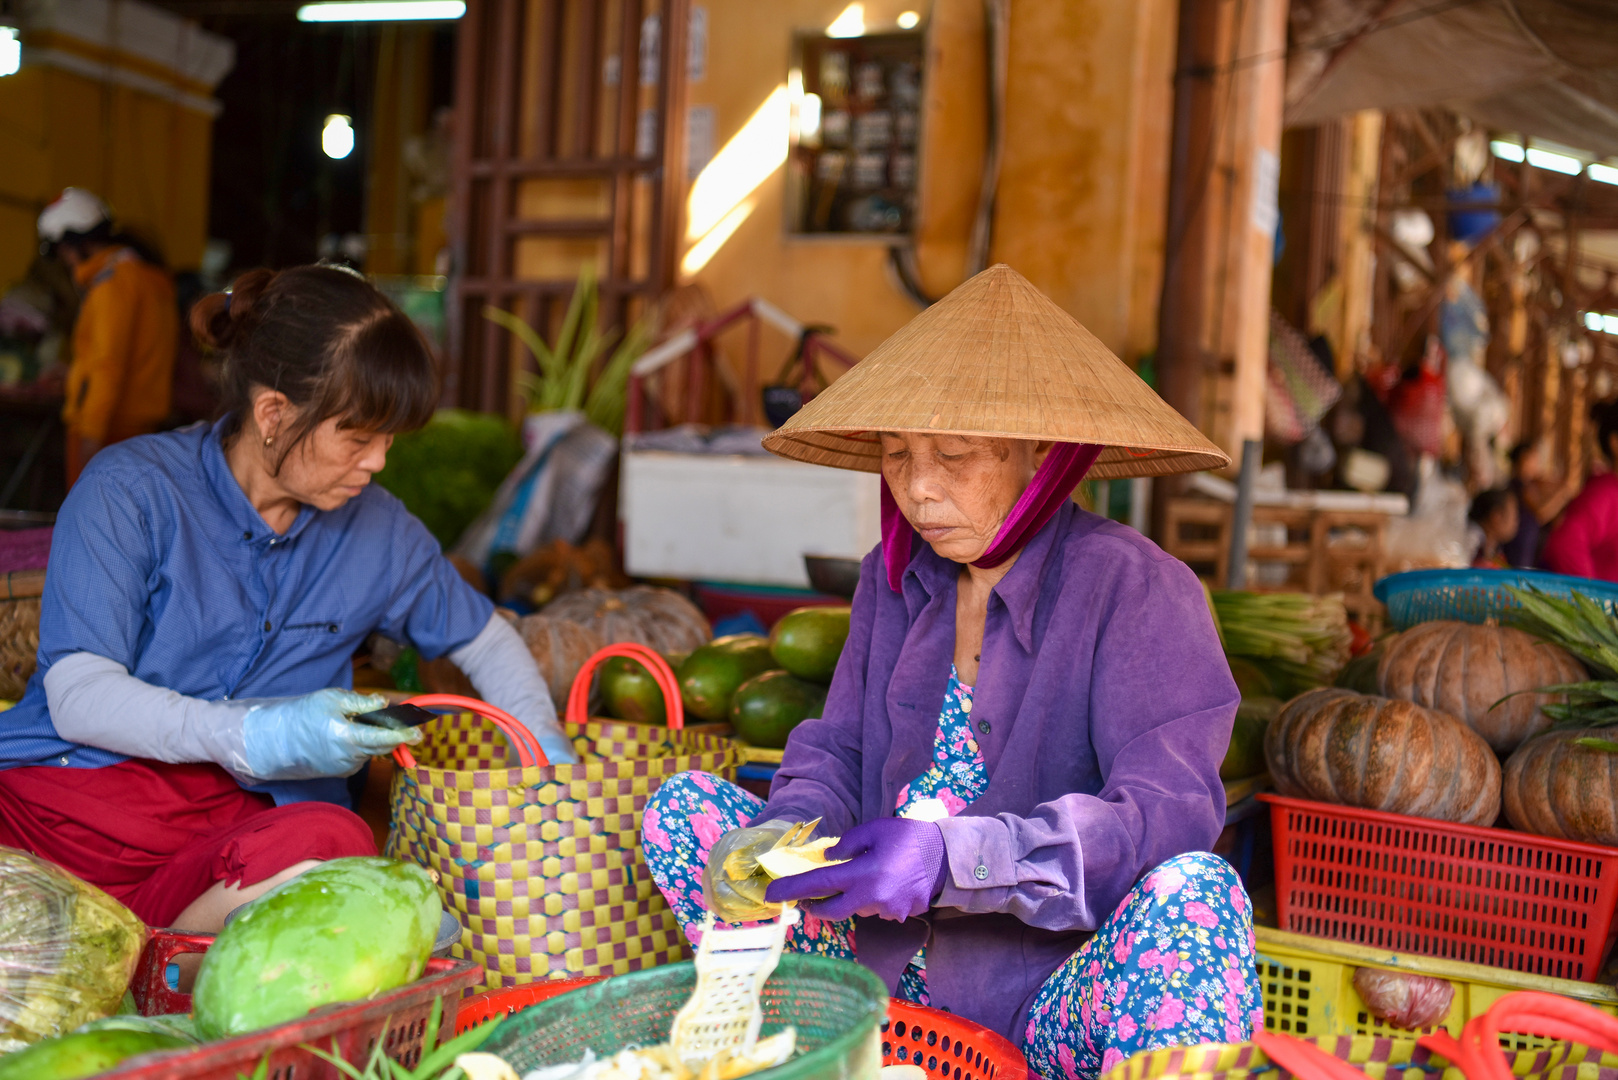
(717, 517)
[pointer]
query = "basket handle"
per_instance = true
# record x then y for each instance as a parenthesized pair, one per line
(1477, 1053)
(1304, 1060)
(578, 698)
(522, 740)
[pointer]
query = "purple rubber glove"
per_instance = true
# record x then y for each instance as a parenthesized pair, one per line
(895, 867)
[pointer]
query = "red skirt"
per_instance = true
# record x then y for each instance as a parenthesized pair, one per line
(158, 836)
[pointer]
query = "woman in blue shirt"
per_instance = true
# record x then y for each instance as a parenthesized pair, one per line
(185, 740)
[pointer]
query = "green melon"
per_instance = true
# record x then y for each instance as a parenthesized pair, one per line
(83, 1053)
(710, 675)
(629, 692)
(767, 707)
(1245, 755)
(347, 930)
(808, 641)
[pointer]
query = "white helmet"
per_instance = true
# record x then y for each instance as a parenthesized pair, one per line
(74, 211)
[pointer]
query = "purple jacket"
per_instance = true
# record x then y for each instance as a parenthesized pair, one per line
(1103, 705)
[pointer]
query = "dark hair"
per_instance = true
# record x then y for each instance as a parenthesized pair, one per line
(104, 235)
(1604, 414)
(1488, 503)
(1520, 451)
(329, 341)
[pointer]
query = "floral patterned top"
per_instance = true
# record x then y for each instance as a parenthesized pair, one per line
(957, 777)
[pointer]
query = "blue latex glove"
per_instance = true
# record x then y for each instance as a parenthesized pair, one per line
(895, 868)
(311, 736)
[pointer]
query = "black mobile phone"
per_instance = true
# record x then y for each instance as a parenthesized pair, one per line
(395, 717)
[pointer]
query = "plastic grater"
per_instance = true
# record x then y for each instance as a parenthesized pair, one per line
(732, 967)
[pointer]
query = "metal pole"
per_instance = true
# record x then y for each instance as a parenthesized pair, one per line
(1241, 518)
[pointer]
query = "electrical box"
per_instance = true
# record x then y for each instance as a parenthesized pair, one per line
(856, 133)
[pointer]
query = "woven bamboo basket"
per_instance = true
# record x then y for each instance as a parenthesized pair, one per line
(20, 591)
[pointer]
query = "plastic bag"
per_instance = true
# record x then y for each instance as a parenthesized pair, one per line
(1408, 1001)
(67, 950)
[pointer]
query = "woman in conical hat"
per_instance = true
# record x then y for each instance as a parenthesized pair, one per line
(1020, 749)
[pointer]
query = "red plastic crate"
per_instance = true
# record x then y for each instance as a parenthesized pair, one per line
(1416, 885)
(355, 1026)
(911, 1035)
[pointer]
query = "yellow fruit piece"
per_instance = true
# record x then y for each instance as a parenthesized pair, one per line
(799, 859)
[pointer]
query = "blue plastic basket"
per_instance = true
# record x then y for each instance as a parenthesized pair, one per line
(1476, 596)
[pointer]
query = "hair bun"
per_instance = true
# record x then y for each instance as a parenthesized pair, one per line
(217, 319)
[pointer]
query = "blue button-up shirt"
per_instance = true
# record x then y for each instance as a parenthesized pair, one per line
(160, 562)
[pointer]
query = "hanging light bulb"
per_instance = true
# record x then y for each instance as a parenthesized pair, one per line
(337, 137)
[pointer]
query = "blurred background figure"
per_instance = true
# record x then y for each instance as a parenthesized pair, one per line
(120, 380)
(1494, 516)
(1585, 542)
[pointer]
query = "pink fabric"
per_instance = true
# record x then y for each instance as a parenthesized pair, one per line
(1053, 483)
(1585, 542)
(24, 549)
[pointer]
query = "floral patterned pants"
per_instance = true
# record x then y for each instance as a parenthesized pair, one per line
(1172, 966)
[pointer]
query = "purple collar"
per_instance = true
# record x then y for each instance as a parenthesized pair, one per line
(1053, 483)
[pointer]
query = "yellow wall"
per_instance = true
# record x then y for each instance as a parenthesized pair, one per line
(1081, 202)
(146, 156)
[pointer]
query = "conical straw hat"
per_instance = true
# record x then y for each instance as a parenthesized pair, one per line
(997, 357)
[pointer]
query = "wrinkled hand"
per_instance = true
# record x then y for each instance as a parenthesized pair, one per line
(732, 884)
(894, 870)
(311, 736)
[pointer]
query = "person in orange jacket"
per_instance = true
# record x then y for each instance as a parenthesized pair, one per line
(121, 378)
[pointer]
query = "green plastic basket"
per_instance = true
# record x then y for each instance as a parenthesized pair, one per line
(837, 1007)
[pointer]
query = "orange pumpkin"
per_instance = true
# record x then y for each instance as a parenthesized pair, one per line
(1554, 787)
(1465, 671)
(1358, 750)
(659, 618)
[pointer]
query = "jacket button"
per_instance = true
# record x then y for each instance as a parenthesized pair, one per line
(983, 726)
(266, 626)
(981, 872)
(247, 536)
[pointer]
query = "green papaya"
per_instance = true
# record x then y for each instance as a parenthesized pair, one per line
(808, 641)
(179, 1025)
(710, 675)
(347, 930)
(84, 1053)
(629, 692)
(767, 707)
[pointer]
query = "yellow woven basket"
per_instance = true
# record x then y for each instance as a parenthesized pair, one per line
(20, 591)
(543, 865)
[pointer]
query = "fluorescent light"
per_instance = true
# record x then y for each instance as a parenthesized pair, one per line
(851, 23)
(1604, 173)
(1592, 321)
(10, 50)
(337, 137)
(1544, 159)
(1506, 151)
(382, 11)
(1609, 323)
(909, 20)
